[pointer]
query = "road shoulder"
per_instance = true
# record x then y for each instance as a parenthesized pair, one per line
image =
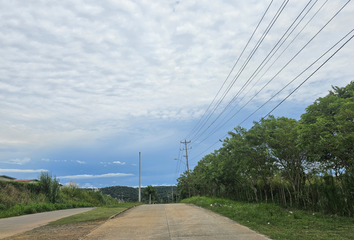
(13, 226)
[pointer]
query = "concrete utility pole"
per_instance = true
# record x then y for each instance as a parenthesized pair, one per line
(185, 144)
(172, 193)
(139, 176)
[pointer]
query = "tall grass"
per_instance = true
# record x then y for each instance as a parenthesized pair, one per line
(11, 196)
(26, 198)
(280, 223)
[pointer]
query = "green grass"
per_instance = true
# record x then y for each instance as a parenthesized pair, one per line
(22, 209)
(101, 213)
(278, 223)
(26, 198)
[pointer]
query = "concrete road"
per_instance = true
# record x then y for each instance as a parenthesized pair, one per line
(172, 221)
(15, 225)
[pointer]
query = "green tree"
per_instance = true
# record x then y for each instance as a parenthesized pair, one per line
(327, 130)
(327, 133)
(281, 137)
(50, 186)
(150, 191)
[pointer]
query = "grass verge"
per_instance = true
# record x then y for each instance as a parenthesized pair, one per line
(18, 198)
(278, 223)
(23, 209)
(101, 213)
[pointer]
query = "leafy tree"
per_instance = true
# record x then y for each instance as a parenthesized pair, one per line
(50, 186)
(327, 128)
(293, 159)
(243, 159)
(150, 191)
(282, 140)
(327, 133)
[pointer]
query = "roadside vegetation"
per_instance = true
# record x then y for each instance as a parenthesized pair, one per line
(279, 223)
(17, 198)
(306, 165)
(97, 214)
(130, 194)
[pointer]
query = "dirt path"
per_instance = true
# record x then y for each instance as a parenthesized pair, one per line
(172, 221)
(58, 232)
(16, 225)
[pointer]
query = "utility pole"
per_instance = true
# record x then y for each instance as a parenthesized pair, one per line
(185, 144)
(139, 176)
(172, 193)
(186, 148)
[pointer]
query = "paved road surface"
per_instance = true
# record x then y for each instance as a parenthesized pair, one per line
(15, 225)
(172, 221)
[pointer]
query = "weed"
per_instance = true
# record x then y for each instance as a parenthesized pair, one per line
(96, 214)
(279, 223)
(23, 198)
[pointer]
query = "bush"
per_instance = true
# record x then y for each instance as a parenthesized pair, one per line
(50, 187)
(18, 198)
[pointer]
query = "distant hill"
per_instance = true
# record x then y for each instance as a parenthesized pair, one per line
(130, 194)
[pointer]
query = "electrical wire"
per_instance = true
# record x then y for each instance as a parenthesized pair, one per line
(277, 72)
(293, 81)
(249, 40)
(255, 48)
(261, 66)
(311, 74)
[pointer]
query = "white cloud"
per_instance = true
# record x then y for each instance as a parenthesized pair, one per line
(81, 162)
(79, 73)
(120, 163)
(183, 50)
(54, 160)
(23, 170)
(134, 164)
(88, 185)
(89, 176)
(17, 161)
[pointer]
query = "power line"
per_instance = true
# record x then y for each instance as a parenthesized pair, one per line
(312, 73)
(255, 48)
(280, 53)
(249, 40)
(277, 72)
(260, 67)
(260, 41)
(178, 159)
(293, 81)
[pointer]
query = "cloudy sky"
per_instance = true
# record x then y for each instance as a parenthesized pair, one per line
(87, 85)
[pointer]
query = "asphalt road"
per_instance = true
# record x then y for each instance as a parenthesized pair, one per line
(172, 221)
(15, 225)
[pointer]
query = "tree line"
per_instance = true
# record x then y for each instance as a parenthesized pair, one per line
(163, 194)
(306, 164)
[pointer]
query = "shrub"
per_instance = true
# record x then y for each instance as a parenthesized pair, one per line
(49, 186)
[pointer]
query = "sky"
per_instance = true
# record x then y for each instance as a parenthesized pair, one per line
(87, 85)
